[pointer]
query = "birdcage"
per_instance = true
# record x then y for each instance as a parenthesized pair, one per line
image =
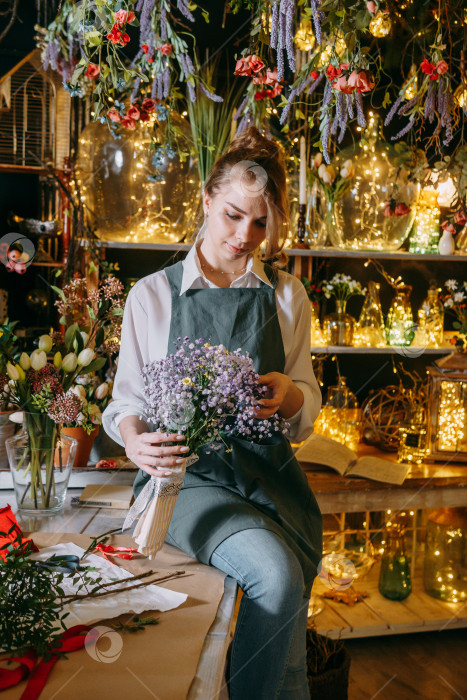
(448, 409)
(35, 114)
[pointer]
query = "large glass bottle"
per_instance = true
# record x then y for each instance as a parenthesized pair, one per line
(431, 320)
(445, 563)
(370, 328)
(395, 581)
(399, 322)
(340, 416)
(338, 327)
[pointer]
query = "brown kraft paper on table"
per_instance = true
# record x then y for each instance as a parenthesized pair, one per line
(158, 662)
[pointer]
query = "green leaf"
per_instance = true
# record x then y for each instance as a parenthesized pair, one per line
(70, 335)
(95, 365)
(60, 292)
(387, 100)
(299, 114)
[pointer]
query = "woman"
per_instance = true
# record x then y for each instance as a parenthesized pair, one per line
(248, 511)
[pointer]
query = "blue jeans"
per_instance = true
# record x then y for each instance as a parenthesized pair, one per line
(269, 646)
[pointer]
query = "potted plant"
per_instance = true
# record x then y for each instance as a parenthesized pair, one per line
(328, 663)
(8, 347)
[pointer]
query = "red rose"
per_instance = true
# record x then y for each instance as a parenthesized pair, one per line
(261, 95)
(128, 123)
(332, 72)
(114, 115)
(460, 217)
(276, 90)
(314, 74)
(256, 64)
(165, 49)
(123, 16)
(441, 67)
(242, 67)
(401, 210)
(143, 116)
(149, 105)
(92, 71)
(427, 67)
(145, 48)
(133, 113)
(117, 37)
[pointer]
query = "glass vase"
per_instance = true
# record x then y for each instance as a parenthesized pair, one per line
(445, 562)
(316, 334)
(370, 328)
(413, 438)
(424, 237)
(395, 581)
(316, 212)
(340, 417)
(41, 461)
(339, 326)
(431, 320)
(399, 322)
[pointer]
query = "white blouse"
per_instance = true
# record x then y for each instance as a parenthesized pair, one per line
(145, 335)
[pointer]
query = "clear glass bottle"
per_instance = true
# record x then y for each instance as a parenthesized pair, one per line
(370, 328)
(413, 439)
(316, 334)
(431, 320)
(424, 236)
(343, 415)
(339, 326)
(445, 562)
(395, 581)
(399, 322)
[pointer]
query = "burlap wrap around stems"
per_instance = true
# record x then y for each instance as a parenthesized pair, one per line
(155, 505)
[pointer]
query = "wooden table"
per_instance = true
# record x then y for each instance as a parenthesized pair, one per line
(209, 678)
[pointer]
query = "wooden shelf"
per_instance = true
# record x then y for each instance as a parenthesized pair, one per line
(313, 252)
(405, 351)
(48, 264)
(376, 616)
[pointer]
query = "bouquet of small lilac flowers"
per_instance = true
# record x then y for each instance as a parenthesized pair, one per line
(207, 393)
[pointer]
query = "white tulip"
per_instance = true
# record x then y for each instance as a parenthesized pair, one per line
(85, 337)
(101, 391)
(85, 357)
(24, 361)
(69, 362)
(17, 417)
(12, 371)
(45, 343)
(38, 359)
(317, 160)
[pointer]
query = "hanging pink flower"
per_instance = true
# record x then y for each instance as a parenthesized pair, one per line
(401, 210)
(360, 81)
(446, 226)
(114, 115)
(92, 71)
(271, 76)
(145, 48)
(149, 105)
(128, 123)
(123, 17)
(427, 67)
(242, 67)
(332, 72)
(133, 113)
(441, 67)
(256, 64)
(314, 74)
(276, 90)
(460, 217)
(342, 85)
(166, 49)
(371, 7)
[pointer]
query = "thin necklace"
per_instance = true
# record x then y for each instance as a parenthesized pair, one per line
(220, 272)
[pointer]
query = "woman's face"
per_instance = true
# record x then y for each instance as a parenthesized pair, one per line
(236, 223)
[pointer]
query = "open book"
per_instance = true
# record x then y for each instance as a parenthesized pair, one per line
(318, 449)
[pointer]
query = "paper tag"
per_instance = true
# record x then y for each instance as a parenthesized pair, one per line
(191, 460)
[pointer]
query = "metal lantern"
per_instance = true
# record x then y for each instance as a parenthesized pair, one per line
(448, 409)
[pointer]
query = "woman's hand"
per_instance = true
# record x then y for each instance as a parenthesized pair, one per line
(282, 397)
(145, 450)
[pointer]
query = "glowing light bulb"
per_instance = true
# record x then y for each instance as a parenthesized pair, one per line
(305, 38)
(381, 24)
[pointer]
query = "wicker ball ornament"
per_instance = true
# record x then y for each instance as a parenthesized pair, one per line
(382, 413)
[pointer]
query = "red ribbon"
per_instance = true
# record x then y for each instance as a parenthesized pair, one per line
(71, 640)
(109, 551)
(7, 522)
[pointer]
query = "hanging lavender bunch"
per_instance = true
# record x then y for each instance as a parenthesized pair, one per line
(393, 110)
(429, 109)
(163, 23)
(135, 90)
(326, 122)
(405, 130)
(361, 119)
(315, 84)
(211, 95)
(281, 39)
(316, 20)
(245, 122)
(183, 7)
(241, 108)
(349, 105)
(145, 17)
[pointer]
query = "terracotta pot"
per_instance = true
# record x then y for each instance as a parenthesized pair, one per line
(85, 443)
(7, 430)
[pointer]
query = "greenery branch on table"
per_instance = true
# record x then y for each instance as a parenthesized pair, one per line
(32, 598)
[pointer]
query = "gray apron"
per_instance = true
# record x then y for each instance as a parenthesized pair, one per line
(256, 484)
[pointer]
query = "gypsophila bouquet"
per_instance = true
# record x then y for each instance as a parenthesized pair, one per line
(207, 393)
(342, 287)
